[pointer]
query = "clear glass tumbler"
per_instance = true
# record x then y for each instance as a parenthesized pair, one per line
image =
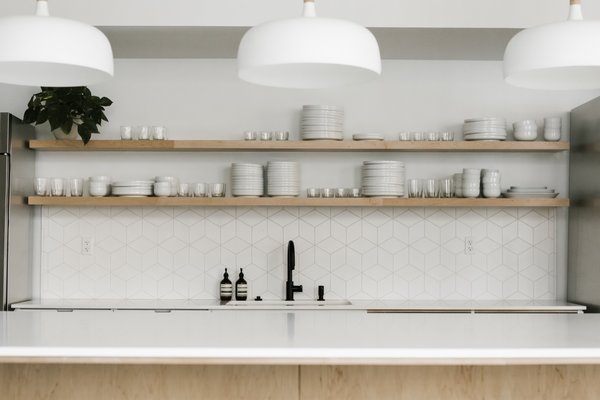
(446, 187)
(415, 188)
(430, 188)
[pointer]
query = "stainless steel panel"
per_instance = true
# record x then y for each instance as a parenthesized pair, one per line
(583, 281)
(4, 196)
(17, 266)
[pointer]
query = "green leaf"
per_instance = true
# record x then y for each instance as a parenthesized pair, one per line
(42, 117)
(67, 126)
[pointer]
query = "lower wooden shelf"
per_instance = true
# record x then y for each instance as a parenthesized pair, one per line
(289, 202)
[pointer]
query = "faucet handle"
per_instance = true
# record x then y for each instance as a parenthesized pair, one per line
(297, 288)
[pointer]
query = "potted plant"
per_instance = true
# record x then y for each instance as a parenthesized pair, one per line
(68, 109)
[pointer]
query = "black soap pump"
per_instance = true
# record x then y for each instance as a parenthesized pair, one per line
(226, 289)
(241, 287)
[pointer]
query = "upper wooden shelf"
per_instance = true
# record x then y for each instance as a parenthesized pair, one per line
(317, 145)
(290, 202)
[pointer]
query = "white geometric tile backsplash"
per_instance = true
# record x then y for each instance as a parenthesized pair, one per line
(356, 253)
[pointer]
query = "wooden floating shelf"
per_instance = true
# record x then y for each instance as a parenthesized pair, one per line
(315, 145)
(289, 202)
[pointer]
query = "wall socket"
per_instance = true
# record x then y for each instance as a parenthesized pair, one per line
(87, 246)
(469, 246)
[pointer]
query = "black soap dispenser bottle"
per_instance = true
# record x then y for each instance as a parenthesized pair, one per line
(241, 287)
(226, 289)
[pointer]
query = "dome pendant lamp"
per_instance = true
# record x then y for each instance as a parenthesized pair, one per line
(42, 50)
(558, 56)
(308, 53)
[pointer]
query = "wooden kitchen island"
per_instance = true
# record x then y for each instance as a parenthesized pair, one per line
(297, 355)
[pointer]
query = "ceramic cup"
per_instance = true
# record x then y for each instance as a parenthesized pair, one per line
(162, 189)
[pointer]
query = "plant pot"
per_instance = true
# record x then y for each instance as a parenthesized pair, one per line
(73, 135)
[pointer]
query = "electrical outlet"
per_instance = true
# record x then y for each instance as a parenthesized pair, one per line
(87, 246)
(469, 246)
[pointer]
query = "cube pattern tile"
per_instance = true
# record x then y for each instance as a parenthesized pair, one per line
(356, 253)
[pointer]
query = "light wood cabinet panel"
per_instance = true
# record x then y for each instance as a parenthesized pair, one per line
(450, 383)
(147, 382)
(177, 382)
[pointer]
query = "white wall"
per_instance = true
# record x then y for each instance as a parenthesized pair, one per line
(199, 99)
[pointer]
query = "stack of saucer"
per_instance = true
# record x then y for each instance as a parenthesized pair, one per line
(367, 136)
(530, 192)
(247, 180)
(383, 178)
(322, 123)
(283, 179)
(133, 188)
(486, 128)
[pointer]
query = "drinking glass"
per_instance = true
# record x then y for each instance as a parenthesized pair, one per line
(57, 187)
(126, 133)
(40, 186)
(447, 136)
(266, 136)
(200, 190)
(159, 133)
(404, 136)
(418, 136)
(415, 188)
(433, 136)
(217, 190)
(250, 135)
(183, 190)
(430, 188)
(340, 192)
(142, 133)
(313, 192)
(328, 193)
(446, 187)
(76, 187)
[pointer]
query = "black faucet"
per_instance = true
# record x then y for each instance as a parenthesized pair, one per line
(290, 288)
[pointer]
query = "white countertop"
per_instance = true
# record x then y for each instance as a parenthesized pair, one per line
(369, 305)
(298, 337)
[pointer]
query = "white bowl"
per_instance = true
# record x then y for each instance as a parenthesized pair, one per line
(525, 135)
(162, 189)
(101, 178)
(99, 190)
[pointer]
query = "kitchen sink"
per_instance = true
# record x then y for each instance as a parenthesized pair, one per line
(284, 303)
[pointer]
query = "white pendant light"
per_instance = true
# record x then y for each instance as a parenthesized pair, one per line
(46, 51)
(559, 56)
(308, 52)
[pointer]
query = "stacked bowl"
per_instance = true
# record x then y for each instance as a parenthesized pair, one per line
(552, 126)
(322, 122)
(525, 130)
(133, 188)
(486, 128)
(247, 180)
(490, 180)
(383, 179)
(471, 182)
(283, 179)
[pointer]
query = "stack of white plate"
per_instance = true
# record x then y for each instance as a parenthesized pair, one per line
(247, 180)
(283, 179)
(487, 128)
(519, 192)
(367, 136)
(322, 123)
(133, 188)
(383, 179)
